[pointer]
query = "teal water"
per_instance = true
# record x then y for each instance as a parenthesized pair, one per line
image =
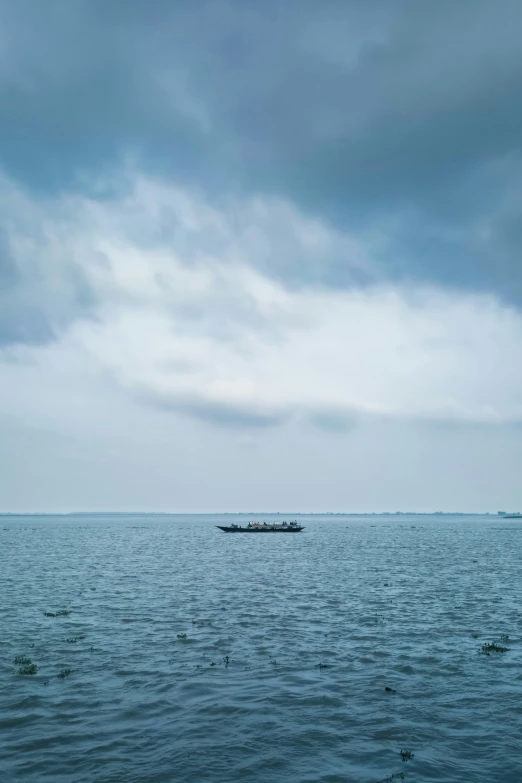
(194, 655)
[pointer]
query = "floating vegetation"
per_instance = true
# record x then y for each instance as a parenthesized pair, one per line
(406, 755)
(504, 637)
(213, 663)
(226, 660)
(22, 660)
(65, 673)
(487, 649)
(391, 778)
(31, 668)
(182, 635)
(322, 666)
(75, 639)
(390, 690)
(60, 613)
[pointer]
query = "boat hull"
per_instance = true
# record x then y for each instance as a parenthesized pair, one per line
(261, 529)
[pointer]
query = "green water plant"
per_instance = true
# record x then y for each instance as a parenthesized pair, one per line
(392, 778)
(65, 673)
(488, 648)
(22, 660)
(30, 668)
(406, 755)
(182, 635)
(60, 613)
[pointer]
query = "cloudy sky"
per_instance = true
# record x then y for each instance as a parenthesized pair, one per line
(260, 255)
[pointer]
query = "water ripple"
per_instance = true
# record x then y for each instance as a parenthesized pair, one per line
(197, 656)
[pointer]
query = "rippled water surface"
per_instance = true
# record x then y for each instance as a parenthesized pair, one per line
(198, 656)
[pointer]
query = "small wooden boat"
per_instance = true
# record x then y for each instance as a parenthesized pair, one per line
(263, 527)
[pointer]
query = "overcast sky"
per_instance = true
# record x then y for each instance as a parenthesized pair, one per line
(260, 255)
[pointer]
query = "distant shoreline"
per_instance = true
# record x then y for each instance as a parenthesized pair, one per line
(252, 513)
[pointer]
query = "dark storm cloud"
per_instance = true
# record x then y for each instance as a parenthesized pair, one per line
(382, 117)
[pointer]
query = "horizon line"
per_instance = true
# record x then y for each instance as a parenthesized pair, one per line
(253, 513)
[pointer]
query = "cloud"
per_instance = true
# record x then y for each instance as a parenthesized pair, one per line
(395, 120)
(334, 420)
(221, 412)
(43, 287)
(188, 321)
(154, 242)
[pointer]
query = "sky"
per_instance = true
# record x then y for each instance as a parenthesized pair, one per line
(260, 256)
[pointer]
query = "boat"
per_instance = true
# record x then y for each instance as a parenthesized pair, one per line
(512, 516)
(263, 527)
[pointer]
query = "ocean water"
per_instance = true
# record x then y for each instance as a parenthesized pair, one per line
(198, 657)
